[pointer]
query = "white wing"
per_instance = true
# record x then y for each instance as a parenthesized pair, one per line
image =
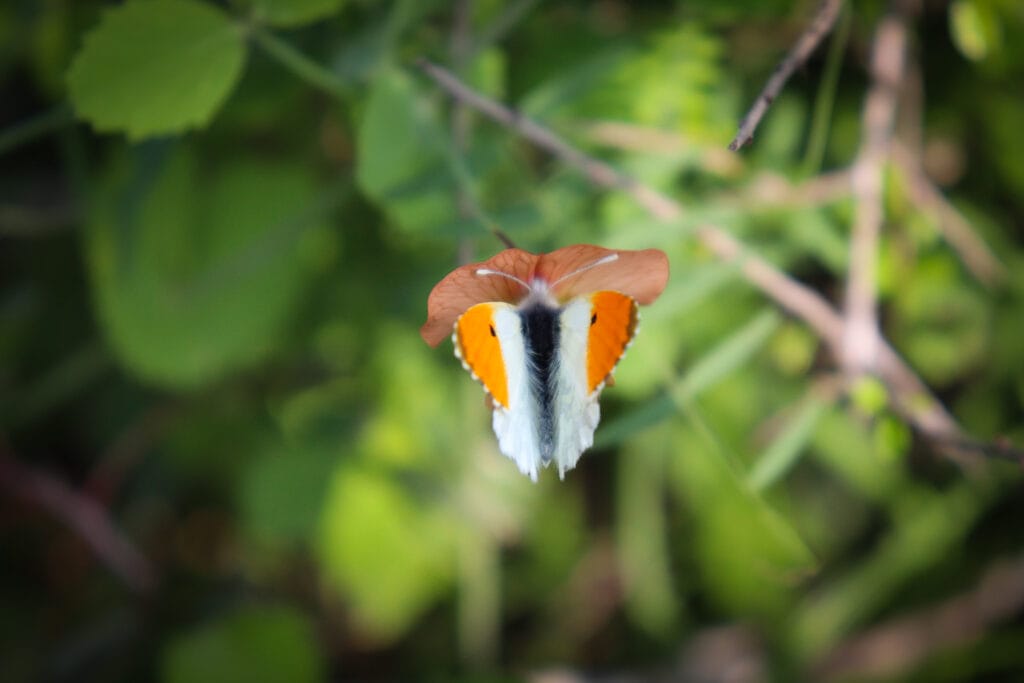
(516, 426)
(577, 412)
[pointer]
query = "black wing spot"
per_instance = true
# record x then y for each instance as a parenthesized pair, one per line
(593, 319)
(492, 330)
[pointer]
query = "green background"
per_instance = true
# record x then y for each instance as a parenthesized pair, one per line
(227, 455)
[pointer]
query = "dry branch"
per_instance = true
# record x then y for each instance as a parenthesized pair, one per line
(808, 41)
(861, 335)
(889, 650)
(84, 516)
(956, 229)
(911, 396)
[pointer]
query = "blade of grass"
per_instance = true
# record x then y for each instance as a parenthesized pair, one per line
(36, 127)
(785, 450)
(728, 356)
(732, 353)
(299, 64)
(821, 119)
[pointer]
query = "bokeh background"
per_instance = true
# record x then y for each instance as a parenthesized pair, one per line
(227, 455)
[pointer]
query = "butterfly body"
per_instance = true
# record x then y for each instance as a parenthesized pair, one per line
(543, 356)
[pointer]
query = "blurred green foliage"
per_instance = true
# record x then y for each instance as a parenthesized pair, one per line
(219, 223)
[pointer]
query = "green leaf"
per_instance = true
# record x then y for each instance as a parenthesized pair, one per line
(293, 12)
(282, 493)
(869, 395)
(892, 437)
(388, 555)
(975, 29)
(195, 271)
(672, 82)
(265, 644)
(943, 326)
(402, 164)
(155, 67)
(845, 446)
(793, 348)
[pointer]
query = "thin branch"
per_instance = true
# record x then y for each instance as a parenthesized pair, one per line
(31, 130)
(808, 41)
(911, 396)
(36, 221)
(770, 189)
(299, 64)
(636, 138)
(125, 452)
(891, 649)
(600, 173)
(86, 518)
(956, 230)
(861, 334)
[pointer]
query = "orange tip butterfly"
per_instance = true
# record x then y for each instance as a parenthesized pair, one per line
(543, 333)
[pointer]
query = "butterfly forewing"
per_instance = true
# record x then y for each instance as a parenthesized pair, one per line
(613, 319)
(478, 345)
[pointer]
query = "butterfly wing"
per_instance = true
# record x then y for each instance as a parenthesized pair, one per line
(613, 320)
(464, 287)
(489, 341)
(595, 332)
(641, 275)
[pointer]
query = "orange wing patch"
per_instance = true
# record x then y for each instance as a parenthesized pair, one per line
(612, 326)
(477, 344)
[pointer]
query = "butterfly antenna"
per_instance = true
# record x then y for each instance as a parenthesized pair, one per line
(505, 239)
(599, 262)
(488, 271)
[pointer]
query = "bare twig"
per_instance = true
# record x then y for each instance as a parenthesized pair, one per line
(600, 173)
(861, 335)
(127, 449)
(635, 138)
(956, 230)
(83, 516)
(819, 27)
(911, 396)
(24, 221)
(770, 189)
(892, 648)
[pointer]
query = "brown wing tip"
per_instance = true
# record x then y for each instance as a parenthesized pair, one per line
(432, 333)
(654, 277)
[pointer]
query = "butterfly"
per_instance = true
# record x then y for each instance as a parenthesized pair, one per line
(543, 333)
